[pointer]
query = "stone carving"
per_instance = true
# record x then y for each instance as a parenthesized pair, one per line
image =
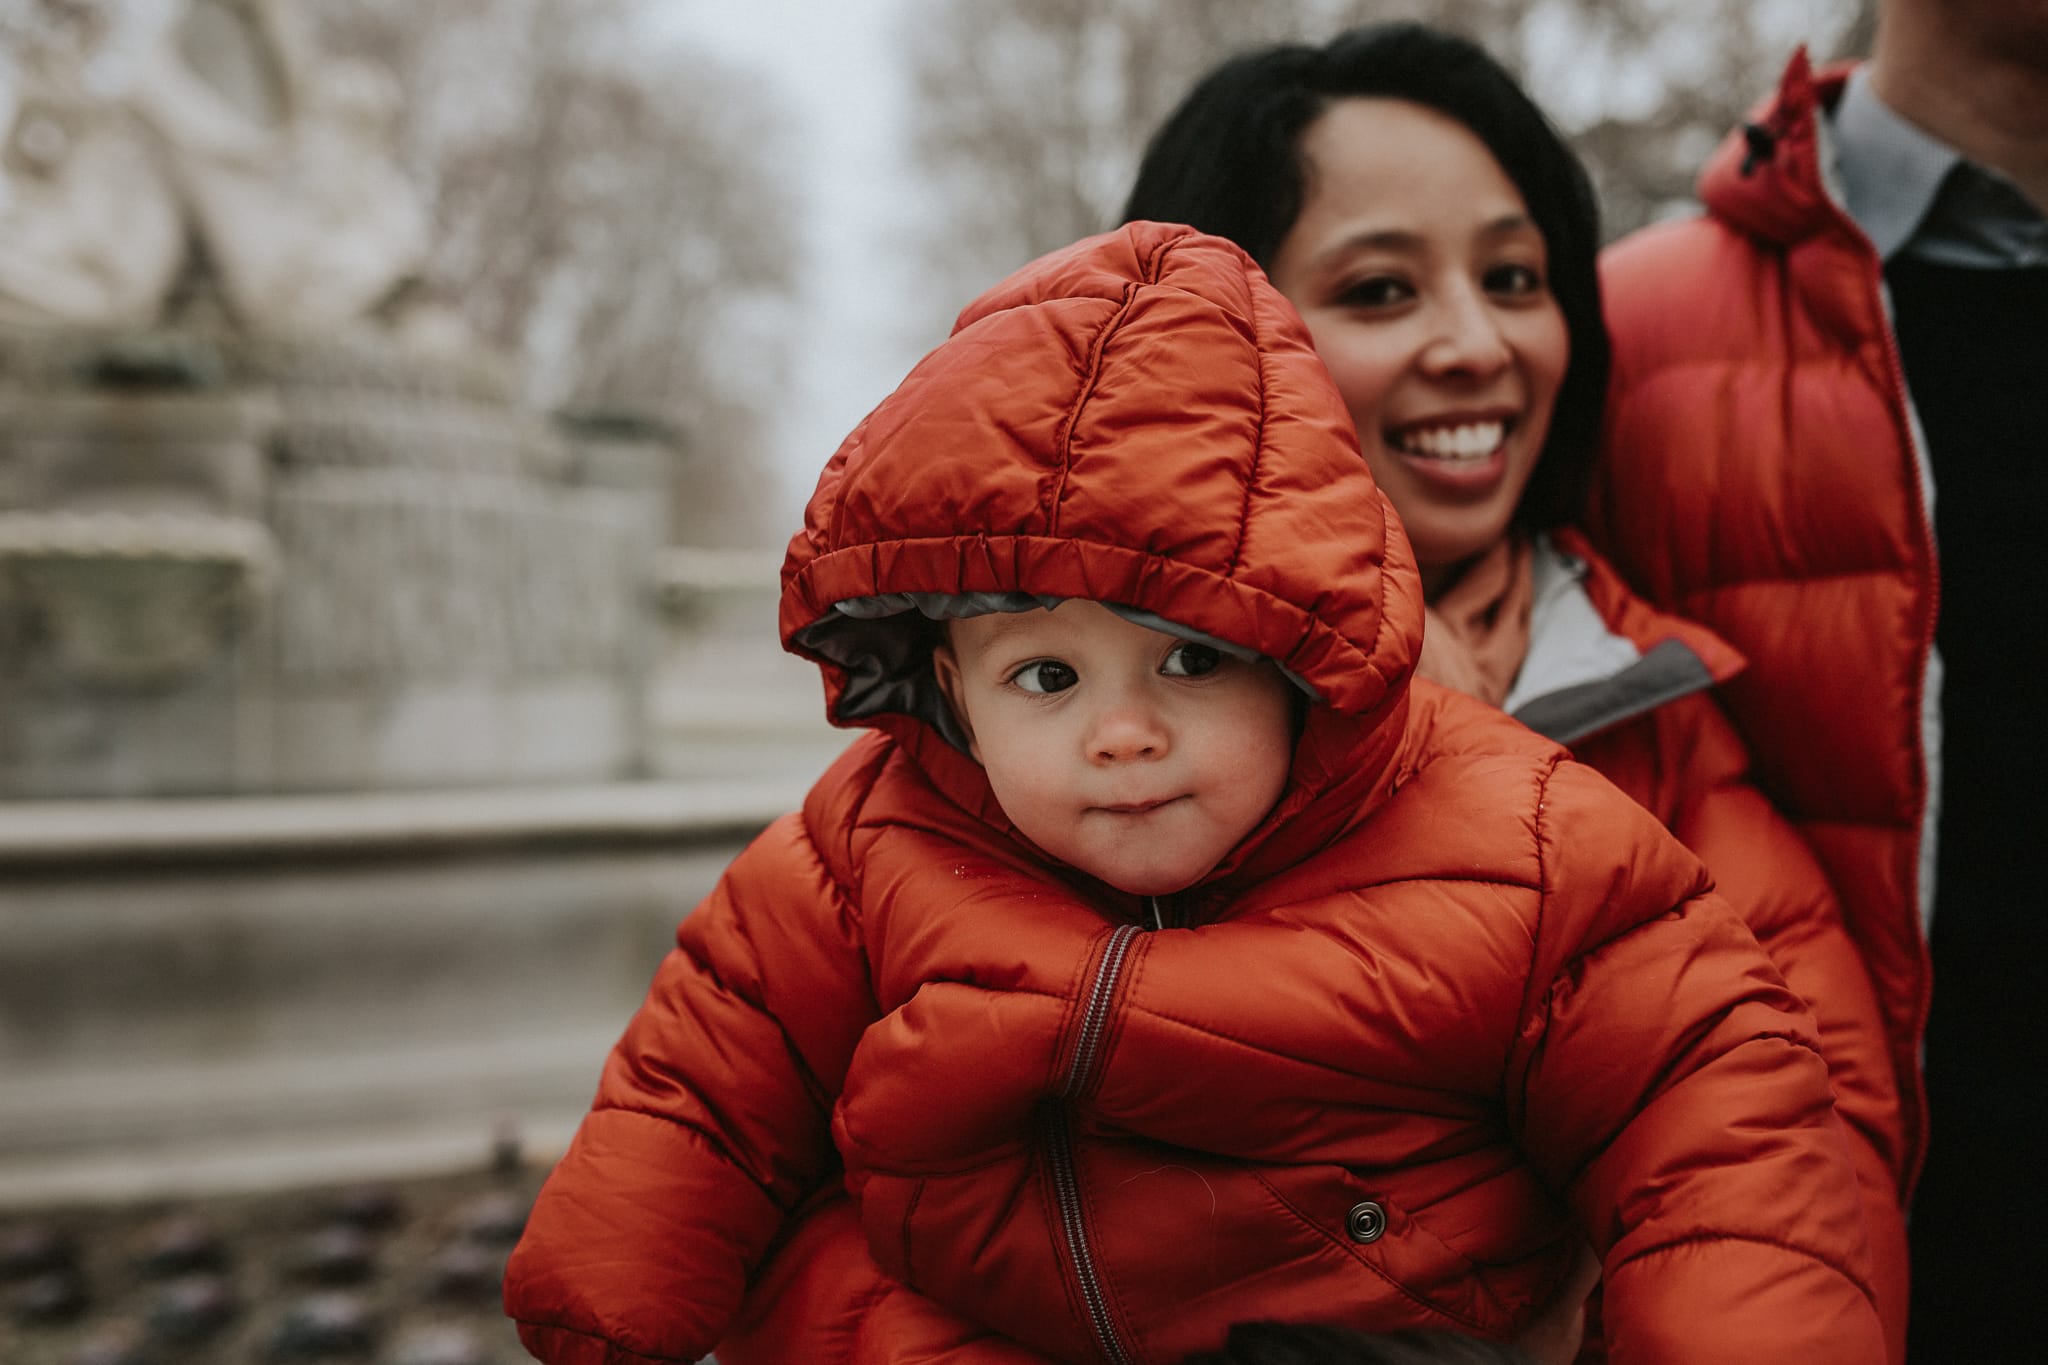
(254, 535)
(205, 130)
(361, 427)
(132, 600)
(472, 578)
(90, 229)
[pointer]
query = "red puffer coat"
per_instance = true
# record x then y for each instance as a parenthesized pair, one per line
(1658, 734)
(1760, 476)
(1683, 761)
(1453, 1004)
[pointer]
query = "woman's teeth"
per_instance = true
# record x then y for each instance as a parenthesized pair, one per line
(1471, 441)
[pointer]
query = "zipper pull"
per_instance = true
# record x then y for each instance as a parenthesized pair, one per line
(1153, 912)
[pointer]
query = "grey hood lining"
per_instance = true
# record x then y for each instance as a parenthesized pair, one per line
(884, 643)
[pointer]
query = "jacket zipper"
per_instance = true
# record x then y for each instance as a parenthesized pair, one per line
(1921, 480)
(1059, 1137)
(1921, 477)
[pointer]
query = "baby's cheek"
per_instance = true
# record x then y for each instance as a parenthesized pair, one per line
(1262, 765)
(1032, 806)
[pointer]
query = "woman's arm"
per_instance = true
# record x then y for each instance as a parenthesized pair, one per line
(1766, 872)
(1672, 1086)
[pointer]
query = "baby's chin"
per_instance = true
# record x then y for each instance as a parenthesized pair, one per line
(1160, 881)
(1147, 859)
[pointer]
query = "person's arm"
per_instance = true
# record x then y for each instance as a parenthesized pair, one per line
(710, 1123)
(1768, 875)
(1671, 1086)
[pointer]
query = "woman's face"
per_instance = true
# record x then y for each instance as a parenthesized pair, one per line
(1425, 284)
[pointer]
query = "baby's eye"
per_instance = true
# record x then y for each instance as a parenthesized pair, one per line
(1191, 661)
(1514, 279)
(1045, 676)
(1380, 291)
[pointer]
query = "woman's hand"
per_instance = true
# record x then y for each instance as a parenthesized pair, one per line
(1553, 1336)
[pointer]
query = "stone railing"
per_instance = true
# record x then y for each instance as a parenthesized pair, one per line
(131, 599)
(692, 583)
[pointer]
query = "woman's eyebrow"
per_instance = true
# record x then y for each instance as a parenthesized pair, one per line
(1371, 239)
(1407, 240)
(1508, 224)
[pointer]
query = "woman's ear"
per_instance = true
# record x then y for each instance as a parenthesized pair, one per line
(946, 668)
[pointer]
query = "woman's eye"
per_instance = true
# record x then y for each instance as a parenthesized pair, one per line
(1514, 279)
(1381, 291)
(1045, 676)
(1192, 661)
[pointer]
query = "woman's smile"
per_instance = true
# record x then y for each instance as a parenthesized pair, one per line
(1461, 455)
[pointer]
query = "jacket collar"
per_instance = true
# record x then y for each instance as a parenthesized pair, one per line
(1767, 177)
(1889, 170)
(1601, 655)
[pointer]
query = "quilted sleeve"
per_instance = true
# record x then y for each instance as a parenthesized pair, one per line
(1766, 873)
(1670, 1084)
(710, 1123)
(822, 1298)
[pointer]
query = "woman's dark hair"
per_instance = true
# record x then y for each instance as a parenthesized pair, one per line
(1287, 1343)
(1228, 162)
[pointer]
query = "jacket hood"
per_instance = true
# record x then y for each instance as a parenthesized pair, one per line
(1765, 178)
(1139, 419)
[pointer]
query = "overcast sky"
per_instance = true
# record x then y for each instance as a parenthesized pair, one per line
(835, 71)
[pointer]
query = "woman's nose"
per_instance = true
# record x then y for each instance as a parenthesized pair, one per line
(1468, 339)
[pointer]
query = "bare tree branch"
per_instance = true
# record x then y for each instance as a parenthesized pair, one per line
(605, 213)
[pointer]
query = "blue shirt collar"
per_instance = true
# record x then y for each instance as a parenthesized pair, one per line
(1910, 192)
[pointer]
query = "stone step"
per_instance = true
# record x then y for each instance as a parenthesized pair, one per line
(227, 994)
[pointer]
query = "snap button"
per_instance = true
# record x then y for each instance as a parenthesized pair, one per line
(1367, 1222)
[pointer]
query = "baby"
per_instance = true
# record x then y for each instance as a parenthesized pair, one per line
(1166, 958)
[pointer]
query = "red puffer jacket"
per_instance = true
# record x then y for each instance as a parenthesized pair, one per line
(1682, 760)
(1761, 476)
(1455, 1003)
(1654, 729)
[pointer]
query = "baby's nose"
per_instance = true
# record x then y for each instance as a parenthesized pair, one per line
(1127, 732)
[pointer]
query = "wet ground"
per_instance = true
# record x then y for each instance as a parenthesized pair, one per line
(393, 1273)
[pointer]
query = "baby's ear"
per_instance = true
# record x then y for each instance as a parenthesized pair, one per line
(946, 668)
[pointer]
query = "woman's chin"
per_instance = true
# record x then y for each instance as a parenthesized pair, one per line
(1440, 552)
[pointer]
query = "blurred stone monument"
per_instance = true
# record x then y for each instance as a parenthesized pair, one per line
(267, 523)
(327, 839)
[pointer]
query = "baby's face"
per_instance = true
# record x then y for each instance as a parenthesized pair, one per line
(1138, 757)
